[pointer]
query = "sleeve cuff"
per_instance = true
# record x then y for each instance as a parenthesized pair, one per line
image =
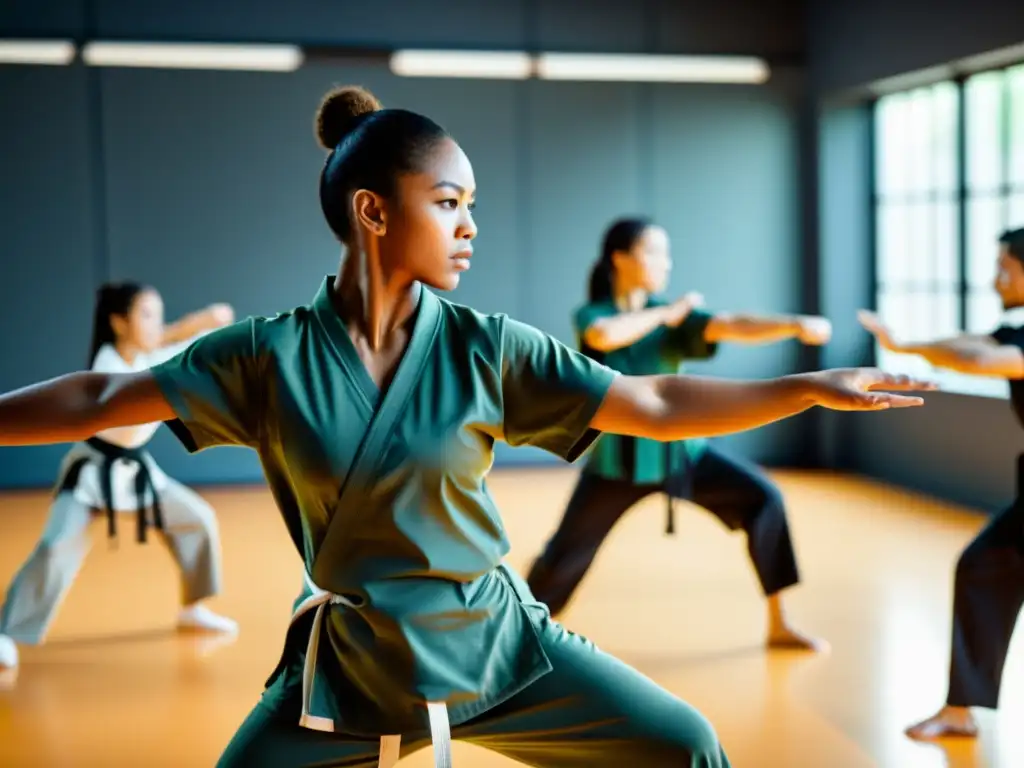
(588, 435)
(180, 431)
(190, 437)
(709, 350)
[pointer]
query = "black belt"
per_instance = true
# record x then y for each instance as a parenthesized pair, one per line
(143, 483)
(677, 485)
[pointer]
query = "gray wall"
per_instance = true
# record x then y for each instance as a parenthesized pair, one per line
(959, 447)
(205, 183)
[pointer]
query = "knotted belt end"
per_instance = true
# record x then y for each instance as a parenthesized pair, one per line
(316, 723)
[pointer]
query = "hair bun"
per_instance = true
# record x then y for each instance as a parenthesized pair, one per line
(338, 112)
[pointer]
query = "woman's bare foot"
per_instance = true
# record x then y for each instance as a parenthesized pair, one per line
(787, 638)
(948, 722)
(783, 636)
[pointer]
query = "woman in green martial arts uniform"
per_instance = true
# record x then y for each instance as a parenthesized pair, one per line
(626, 325)
(374, 410)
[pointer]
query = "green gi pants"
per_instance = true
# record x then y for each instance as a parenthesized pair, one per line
(590, 710)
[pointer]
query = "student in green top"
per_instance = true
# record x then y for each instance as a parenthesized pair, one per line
(625, 326)
(374, 411)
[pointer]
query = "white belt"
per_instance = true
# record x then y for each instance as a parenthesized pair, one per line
(390, 745)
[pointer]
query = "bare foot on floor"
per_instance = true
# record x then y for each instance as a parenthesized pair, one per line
(949, 722)
(787, 638)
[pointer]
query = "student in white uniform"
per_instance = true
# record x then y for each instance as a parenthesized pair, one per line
(112, 473)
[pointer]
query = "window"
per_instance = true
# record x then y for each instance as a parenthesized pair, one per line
(930, 182)
(917, 226)
(986, 192)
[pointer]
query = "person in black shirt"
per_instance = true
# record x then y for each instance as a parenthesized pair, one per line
(988, 589)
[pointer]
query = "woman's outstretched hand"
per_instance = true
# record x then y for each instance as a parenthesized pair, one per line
(864, 389)
(873, 324)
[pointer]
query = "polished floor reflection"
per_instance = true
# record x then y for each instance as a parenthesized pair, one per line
(114, 686)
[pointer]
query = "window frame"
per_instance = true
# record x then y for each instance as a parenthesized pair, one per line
(963, 195)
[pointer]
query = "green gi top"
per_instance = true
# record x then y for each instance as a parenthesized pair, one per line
(385, 495)
(661, 351)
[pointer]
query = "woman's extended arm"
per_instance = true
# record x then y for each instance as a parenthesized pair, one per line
(606, 334)
(671, 407)
(745, 328)
(191, 325)
(78, 405)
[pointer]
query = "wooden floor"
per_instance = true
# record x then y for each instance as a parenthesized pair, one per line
(114, 686)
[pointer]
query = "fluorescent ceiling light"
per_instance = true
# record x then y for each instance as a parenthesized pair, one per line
(53, 52)
(498, 65)
(651, 69)
(259, 58)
